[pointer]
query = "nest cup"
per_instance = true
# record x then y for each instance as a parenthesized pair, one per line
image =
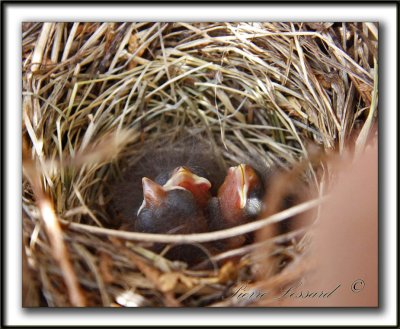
(94, 94)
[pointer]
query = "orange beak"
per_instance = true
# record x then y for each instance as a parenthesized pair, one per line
(198, 186)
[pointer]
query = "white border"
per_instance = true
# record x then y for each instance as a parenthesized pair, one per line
(15, 14)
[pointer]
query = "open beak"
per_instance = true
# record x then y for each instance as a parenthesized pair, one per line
(184, 178)
(238, 180)
(243, 186)
(241, 179)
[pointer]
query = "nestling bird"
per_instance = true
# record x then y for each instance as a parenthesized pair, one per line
(175, 207)
(238, 201)
(167, 192)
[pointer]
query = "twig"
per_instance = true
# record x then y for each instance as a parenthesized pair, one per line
(199, 237)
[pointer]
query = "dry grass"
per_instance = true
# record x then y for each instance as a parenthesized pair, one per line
(94, 92)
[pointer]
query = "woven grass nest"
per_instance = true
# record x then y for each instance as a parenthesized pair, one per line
(95, 94)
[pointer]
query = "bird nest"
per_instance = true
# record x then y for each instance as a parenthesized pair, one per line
(95, 94)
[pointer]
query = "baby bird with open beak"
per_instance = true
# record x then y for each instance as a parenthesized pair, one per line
(238, 201)
(175, 207)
